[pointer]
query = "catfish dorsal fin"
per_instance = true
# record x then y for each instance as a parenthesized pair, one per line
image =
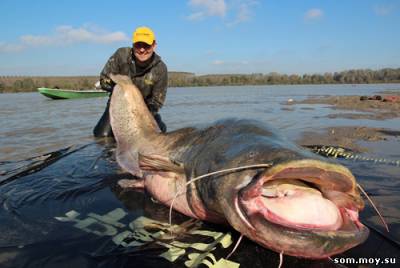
(156, 162)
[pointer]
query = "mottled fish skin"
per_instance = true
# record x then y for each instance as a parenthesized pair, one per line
(166, 162)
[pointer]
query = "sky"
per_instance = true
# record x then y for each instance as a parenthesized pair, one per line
(74, 37)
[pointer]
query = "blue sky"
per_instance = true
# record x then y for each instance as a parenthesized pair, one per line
(201, 36)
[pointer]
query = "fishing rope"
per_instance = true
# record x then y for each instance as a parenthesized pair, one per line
(331, 151)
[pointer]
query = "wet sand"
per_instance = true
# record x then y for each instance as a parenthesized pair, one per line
(373, 109)
(350, 136)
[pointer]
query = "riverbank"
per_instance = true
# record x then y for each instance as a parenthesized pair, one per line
(373, 109)
(386, 105)
(349, 137)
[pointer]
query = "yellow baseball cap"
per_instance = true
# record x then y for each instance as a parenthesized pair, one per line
(143, 34)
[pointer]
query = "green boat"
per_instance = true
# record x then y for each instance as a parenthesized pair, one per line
(57, 94)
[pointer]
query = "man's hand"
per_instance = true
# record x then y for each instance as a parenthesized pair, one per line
(107, 84)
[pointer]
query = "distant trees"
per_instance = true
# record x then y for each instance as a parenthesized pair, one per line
(367, 76)
(185, 79)
(363, 76)
(18, 85)
(24, 84)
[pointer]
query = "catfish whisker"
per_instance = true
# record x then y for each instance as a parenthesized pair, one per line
(210, 174)
(373, 205)
(235, 247)
(280, 259)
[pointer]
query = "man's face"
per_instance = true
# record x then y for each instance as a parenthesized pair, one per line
(143, 51)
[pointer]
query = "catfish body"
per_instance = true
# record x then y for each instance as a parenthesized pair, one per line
(301, 205)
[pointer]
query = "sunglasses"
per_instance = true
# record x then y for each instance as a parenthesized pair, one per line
(140, 45)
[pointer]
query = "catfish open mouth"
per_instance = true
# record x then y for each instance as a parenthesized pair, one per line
(305, 197)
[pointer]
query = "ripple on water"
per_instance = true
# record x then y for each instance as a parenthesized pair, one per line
(23, 132)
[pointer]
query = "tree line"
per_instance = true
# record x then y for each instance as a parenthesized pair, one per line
(185, 79)
(31, 83)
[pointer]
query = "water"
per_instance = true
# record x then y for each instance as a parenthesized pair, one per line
(32, 124)
(38, 224)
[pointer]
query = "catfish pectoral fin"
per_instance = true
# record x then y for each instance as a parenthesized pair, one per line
(128, 160)
(159, 163)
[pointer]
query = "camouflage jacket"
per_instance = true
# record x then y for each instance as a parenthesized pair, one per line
(152, 81)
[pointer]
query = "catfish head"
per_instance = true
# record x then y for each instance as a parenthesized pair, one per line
(302, 205)
(307, 207)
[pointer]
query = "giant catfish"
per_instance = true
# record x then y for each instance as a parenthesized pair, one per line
(302, 205)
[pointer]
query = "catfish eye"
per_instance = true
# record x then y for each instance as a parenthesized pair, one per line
(251, 154)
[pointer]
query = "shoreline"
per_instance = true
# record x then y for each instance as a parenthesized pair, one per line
(350, 137)
(353, 105)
